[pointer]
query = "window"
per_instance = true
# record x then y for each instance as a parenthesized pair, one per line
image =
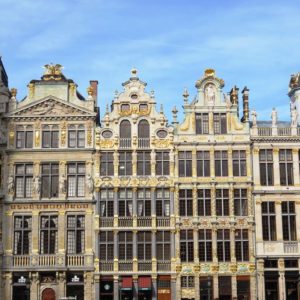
(23, 180)
(50, 180)
(185, 203)
(144, 242)
(202, 124)
(241, 245)
(125, 163)
(76, 179)
(143, 163)
(203, 164)
(204, 202)
(206, 288)
(186, 246)
(185, 163)
(163, 245)
(144, 202)
(268, 221)
(107, 203)
(187, 281)
(125, 107)
(205, 245)
(221, 163)
(24, 136)
(220, 123)
(125, 245)
(125, 203)
(286, 167)
(48, 234)
(22, 235)
(288, 221)
(106, 245)
(239, 163)
(162, 163)
(266, 167)
(240, 202)
(222, 202)
(76, 136)
(75, 234)
(125, 134)
(162, 202)
(223, 244)
(143, 134)
(50, 136)
(107, 164)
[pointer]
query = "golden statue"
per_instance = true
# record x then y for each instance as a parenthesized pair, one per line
(53, 72)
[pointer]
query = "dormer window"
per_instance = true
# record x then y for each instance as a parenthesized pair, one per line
(125, 107)
(50, 136)
(76, 136)
(143, 107)
(134, 96)
(24, 137)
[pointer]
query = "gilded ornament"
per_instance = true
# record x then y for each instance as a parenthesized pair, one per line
(106, 143)
(37, 138)
(53, 72)
(13, 92)
(11, 138)
(90, 90)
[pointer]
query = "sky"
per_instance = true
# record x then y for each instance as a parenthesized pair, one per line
(170, 42)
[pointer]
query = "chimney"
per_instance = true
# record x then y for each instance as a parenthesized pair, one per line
(245, 93)
(94, 85)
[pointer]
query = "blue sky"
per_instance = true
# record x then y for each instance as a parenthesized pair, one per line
(253, 43)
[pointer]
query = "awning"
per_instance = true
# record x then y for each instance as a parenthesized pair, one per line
(126, 283)
(144, 283)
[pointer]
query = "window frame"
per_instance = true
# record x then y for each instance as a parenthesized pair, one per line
(205, 245)
(49, 237)
(223, 245)
(266, 169)
(203, 163)
(204, 202)
(107, 202)
(239, 163)
(268, 214)
(79, 241)
(52, 182)
(186, 203)
(22, 244)
(221, 163)
(107, 163)
(286, 170)
(242, 244)
(202, 123)
(106, 245)
(77, 175)
(186, 245)
(52, 130)
(185, 163)
(162, 167)
(24, 179)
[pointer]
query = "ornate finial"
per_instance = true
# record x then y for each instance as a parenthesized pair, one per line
(174, 112)
(13, 92)
(90, 90)
(209, 72)
(133, 72)
(116, 94)
(107, 110)
(53, 72)
(185, 95)
(161, 109)
(152, 93)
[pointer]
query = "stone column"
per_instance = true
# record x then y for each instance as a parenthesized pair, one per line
(256, 173)
(194, 163)
(87, 285)
(154, 285)
(214, 244)
(196, 245)
(176, 163)
(135, 287)
(173, 254)
(276, 166)
(216, 286)
(8, 232)
(233, 287)
(281, 286)
(212, 161)
(278, 220)
(61, 230)
(97, 287)
(253, 287)
(34, 287)
(172, 161)
(153, 163)
(172, 191)
(35, 232)
(211, 122)
(153, 250)
(116, 287)
(195, 204)
(61, 276)
(116, 207)
(296, 167)
(134, 163)
(232, 244)
(260, 280)
(153, 207)
(134, 206)
(230, 170)
(116, 248)
(173, 287)
(116, 163)
(89, 235)
(197, 286)
(178, 288)
(7, 289)
(134, 251)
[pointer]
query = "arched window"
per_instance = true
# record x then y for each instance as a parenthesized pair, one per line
(143, 129)
(125, 129)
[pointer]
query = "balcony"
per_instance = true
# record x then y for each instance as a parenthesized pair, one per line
(163, 266)
(163, 222)
(144, 222)
(107, 266)
(143, 143)
(290, 247)
(125, 143)
(145, 265)
(106, 222)
(264, 131)
(21, 261)
(125, 266)
(75, 260)
(285, 131)
(125, 222)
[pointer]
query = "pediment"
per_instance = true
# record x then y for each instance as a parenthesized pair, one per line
(50, 107)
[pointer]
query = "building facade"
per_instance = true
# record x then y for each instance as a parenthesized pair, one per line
(136, 207)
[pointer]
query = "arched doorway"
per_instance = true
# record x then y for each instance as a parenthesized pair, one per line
(48, 294)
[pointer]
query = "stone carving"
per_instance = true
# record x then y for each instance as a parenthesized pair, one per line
(294, 117)
(254, 117)
(11, 185)
(62, 184)
(210, 94)
(90, 183)
(37, 185)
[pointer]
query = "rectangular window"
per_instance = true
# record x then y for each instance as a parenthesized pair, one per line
(205, 245)
(163, 245)
(22, 235)
(143, 163)
(266, 167)
(268, 221)
(50, 180)
(24, 137)
(76, 136)
(125, 244)
(125, 202)
(204, 202)
(223, 244)
(185, 163)
(203, 164)
(239, 163)
(221, 163)
(50, 136)
(24, 180)
(286, 167)
(220, 123)
(106, 245)
(48, 234)
(162, 202)
(240, 202)
(125, 163)
(241, 245)
(185, 203)
(222, 202)
(76, 179)
(107, 164)
(144, 202)
(75, 234)
(144, 242)
(162, 163)
(186, 246)
(202, 124)
(206, 288)
(187, 282)
(288, 221)
(107, 203)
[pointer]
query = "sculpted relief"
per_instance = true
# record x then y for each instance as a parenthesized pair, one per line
(210, 94)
